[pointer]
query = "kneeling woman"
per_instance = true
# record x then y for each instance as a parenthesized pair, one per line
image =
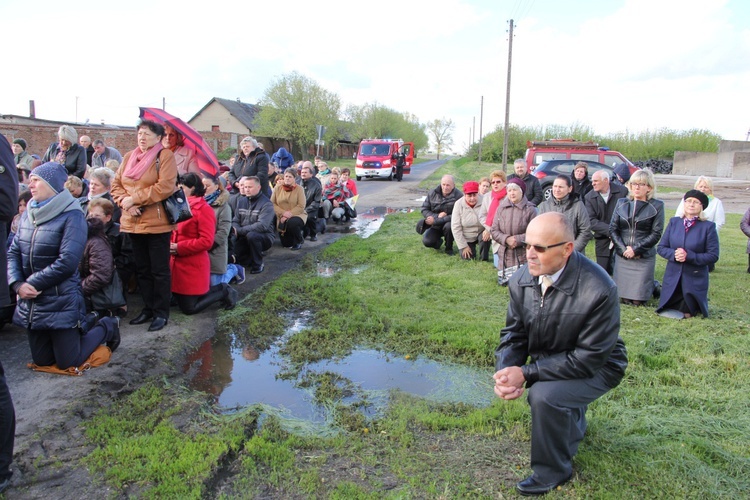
(288, 200)
(43, 270)
(190, 264)
(690, 245)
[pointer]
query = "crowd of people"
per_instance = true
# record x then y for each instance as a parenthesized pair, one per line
(619, 212)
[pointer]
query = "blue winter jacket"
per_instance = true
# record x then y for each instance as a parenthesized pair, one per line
(46, 256)
(283, 159)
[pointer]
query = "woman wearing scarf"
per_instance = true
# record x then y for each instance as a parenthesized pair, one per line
(509, 227)
(490, 203)
(50, 306)
(288, 200)
(147, 177)
(67, 152)
(191, 265)
(690, 244)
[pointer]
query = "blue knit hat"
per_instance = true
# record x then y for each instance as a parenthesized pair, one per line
(53, 174)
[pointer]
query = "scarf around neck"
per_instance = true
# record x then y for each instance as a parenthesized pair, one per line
(39, 213)
(497, 197)
(139, 161)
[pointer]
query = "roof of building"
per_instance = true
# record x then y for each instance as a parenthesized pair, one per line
(245, 113)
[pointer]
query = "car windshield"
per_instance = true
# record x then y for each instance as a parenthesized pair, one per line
(375, 149)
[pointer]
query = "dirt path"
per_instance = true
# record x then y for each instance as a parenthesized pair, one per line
(51, 408)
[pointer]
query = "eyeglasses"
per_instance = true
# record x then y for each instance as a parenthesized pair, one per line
(497, 182)
(541, 248)
(638, 184)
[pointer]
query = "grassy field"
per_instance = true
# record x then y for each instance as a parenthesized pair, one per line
(677, 427)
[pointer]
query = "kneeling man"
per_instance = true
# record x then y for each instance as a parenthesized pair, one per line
(564, 315)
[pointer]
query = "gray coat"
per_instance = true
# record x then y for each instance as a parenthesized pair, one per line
(218, 253)
(572, 207)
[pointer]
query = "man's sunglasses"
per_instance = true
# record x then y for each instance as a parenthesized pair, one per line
(541, 248)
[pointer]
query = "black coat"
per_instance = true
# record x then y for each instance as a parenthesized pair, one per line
(435, 203)
(571, 333)
(75, 159)
(641, 230)
(254, 164)
(600, 214)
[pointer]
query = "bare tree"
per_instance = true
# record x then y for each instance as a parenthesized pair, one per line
(442, 132)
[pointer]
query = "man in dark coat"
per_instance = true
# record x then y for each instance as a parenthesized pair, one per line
(600, 203)
(253, 224)
(533, 189)
(313, 198)
(561, 342)
(437, 210)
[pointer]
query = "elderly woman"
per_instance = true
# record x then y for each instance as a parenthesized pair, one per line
(580, 179)
(250, 161)
(191, 265)
(635, 229)
(100, 182)
(565, 201)
(509, 227)
(490, 203)
(465, 224)
(147, 177)
(43, 271)
(715, 210)
(67, 152)
(184, 157)
(288, 200)
(690, 244)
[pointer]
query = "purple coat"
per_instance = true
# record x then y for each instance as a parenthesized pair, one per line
(702, 245)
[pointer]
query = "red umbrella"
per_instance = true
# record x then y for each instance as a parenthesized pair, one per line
(204, 155)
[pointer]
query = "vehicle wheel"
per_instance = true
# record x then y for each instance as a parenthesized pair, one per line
(359, 178)
(547, 192)
(390, 177)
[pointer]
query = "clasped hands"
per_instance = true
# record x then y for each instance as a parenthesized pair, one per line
(509, 382)
(680, 255)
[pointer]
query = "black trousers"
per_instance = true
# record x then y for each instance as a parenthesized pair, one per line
(249, 248)
(558, 422)
(68, 347)
(311, 225)
(193, 304)
(293, 233)
(483, 246)
(151, 254)
(7, 427)
(433, 237)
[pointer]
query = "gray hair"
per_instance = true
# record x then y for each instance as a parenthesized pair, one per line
(103, 175)
(603, 174)
(99, 142)
(520, 161)
(513, 187)
(251, 140)
(68, 133)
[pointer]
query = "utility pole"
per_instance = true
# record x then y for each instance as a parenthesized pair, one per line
(481, 116)
(507, 100)
(473, 128)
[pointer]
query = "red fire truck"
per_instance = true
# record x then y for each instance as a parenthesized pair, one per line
(378, 158)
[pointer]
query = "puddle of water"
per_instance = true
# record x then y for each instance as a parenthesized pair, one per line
(367, 223)
(325, 270)
(241, 376)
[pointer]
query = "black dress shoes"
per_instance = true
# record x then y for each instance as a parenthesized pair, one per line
(257, 270)
(297, 246)
(315, 238)
(532, 487)
(157, 324)
(114, 343)
(141, 318)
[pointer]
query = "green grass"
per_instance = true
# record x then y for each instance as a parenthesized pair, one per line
(677, 427)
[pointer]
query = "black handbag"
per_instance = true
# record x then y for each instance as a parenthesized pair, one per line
(110, 296)
(176, 206)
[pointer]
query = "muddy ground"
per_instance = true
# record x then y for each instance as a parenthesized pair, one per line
(51, 408)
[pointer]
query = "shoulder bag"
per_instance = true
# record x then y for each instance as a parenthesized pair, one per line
(176, 206)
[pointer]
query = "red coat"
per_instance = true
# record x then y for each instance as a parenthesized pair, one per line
(191, 267)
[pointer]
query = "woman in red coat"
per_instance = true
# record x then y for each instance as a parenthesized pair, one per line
(190, 263)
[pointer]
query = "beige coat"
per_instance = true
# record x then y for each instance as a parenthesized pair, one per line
(293, 200)
(147, 192)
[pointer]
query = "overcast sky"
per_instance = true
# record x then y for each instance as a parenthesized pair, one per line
(613, 65)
